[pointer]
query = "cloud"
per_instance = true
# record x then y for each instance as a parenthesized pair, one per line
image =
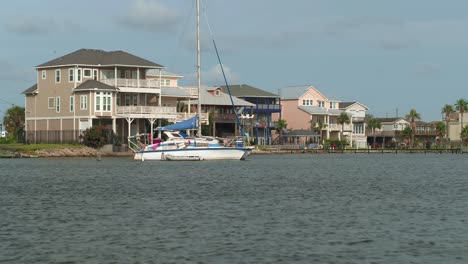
(35, 26)
(30, 25)
(150, 15)
(214, 76)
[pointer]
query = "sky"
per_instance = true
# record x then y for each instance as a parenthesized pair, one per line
(391, 56)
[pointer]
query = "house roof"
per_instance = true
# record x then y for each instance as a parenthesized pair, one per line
(155, 72)
(315, 110)
(294, 92)
(244, 90)
(223, 99)
(174, 92)
(94, 85)
(391, 119)
(344, 105)
(31, 90)
(96, 57)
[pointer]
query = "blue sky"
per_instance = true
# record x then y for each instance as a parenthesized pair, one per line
(389, 55)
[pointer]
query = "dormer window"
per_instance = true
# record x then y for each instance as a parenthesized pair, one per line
(217, 92)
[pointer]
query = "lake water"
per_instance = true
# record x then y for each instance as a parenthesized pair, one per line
(351, 208)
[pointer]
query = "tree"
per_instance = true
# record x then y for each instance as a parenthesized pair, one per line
(440, 130)
(462, 106)
(280, 126)
(407, 133)
(447, 110)
(464, 134)
(318, 126)
(342, 119)
(13, 121)
(373, 124)
(412, 117)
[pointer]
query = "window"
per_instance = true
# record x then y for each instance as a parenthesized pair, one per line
(70, 74)
(168, 82)
(44, 75)
(217, 92)
(307, 102)
(57, 76)
(117, 100)
(333, 105)
(103, 101)
(57, 104)
(321, 103)
(95, 74)
(72, 103)
(127, 100)
(51, 102)
(135, 99)
(83, 102)
(78, 75)
(87, 73)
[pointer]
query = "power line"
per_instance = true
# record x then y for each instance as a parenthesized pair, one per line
(7, 102)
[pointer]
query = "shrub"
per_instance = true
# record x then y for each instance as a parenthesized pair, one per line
(95, 137)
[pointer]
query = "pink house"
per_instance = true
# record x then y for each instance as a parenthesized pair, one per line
(306, 108)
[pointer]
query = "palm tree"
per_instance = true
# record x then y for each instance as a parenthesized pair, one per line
(462, 106)
(464, 134)
(13, 121)
(373, 124)
(280, 126)
(447, 110)
(343, 119)
(412, 117)
(440, 130)
(317, 126)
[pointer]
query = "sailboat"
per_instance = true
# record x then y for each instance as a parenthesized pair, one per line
(180, 147)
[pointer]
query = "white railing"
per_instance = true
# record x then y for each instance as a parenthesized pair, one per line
(137, 83)
(146, 110)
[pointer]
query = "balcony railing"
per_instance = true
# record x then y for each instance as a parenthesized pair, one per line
(267, 107)
(136, 83)
(123, 110)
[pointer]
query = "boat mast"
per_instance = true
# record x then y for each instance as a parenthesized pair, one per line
(198, 69)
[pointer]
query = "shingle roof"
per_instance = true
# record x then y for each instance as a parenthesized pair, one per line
(348, 104)
(100, 58)
(244, 90)
(92, 85)
(174, 92)
(390, 119)
(315, 110)
(223, 99)
(155, 72)
(31, 90)
(293, 92)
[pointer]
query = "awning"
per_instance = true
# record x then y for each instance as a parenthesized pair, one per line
(184, 125)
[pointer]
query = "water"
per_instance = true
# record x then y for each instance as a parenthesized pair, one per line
(352, 208)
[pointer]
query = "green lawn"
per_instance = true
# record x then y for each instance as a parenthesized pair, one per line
(33, 147)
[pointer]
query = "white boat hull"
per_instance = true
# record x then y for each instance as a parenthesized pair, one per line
(221, 153)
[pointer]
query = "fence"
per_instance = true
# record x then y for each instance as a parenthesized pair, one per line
(63, 136)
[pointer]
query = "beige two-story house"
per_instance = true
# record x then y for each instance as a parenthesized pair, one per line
(120, 91)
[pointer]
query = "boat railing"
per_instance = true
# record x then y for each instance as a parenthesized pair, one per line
(137, 142)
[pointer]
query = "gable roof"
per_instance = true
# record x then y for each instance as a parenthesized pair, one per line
(294, 92)
(100, 58)
(223, 99)
(244, 90)
(391, 119)
(31, 90)
(94, 85)
(344, 105)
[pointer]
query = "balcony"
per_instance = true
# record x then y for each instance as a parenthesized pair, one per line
(149, 86)
(163, 112)
(267, 108)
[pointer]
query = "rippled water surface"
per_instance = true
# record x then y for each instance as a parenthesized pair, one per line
(269, 209)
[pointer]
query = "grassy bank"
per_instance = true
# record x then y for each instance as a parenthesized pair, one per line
(28, 149)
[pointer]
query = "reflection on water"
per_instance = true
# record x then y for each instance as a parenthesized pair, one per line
(268, 209)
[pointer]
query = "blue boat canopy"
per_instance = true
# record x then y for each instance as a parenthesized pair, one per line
(190, 123)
